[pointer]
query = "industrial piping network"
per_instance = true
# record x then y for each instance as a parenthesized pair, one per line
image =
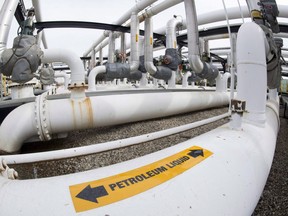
(225, 168)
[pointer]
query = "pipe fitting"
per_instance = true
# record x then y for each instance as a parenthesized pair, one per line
(42, 118)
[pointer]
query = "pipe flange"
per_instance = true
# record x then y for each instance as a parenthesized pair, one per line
(41, 118)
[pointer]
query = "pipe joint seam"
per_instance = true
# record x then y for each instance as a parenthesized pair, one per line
(41, 118)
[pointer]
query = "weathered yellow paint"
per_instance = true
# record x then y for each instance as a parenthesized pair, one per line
(109, 190)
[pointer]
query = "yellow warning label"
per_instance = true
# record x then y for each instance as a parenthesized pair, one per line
(101, 192)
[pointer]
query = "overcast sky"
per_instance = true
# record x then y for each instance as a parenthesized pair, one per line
(79, 40)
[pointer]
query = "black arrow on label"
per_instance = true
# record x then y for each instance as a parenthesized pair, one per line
(91, 194)
(196, 153)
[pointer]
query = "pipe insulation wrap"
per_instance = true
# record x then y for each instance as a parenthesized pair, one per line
(68, 115)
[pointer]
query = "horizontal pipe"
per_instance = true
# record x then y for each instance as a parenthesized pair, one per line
(19, 123)
(231, 180)
(57, 116)
(101, 147)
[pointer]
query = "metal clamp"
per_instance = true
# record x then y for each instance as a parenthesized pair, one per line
(238, 106)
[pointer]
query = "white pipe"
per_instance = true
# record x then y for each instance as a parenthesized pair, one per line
(19, 122)
(231, 180)
(185, 79)
(101, 147)
(71, 59)
(92, 76)
(148, 13)
(221, 82)
(134, 63)
(6, 16)
(148, 56)
(193, 38)
(171, 29)
(101, 56)
(36, 4)
(123, 47)
(57, 116)
(140, 5)
(65, 76)
(171, 42)
(111, 51)
(253, 5)
(213, 16)
(251, 65)
(158, 8)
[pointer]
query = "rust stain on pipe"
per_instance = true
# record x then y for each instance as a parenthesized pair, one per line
(82, 113)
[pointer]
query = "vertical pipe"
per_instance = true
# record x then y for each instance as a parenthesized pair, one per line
(101, 56)
(148, 56)
(123, 47)
(6, 15)
(111, 51)
(252, 71)
(134, 64)
(171, 28)
(93, 60)
(1, 87)
(193, 37)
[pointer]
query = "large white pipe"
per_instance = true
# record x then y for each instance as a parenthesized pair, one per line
(6, 16)
(231, 180)
(19, 124)
(97, 148)
(252, 49)
(71, 59)
(57, 116)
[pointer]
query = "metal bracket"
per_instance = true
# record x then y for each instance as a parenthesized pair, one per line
(238, 106)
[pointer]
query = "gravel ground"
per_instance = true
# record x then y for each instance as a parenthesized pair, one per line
(86, 137)
(274, 200)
